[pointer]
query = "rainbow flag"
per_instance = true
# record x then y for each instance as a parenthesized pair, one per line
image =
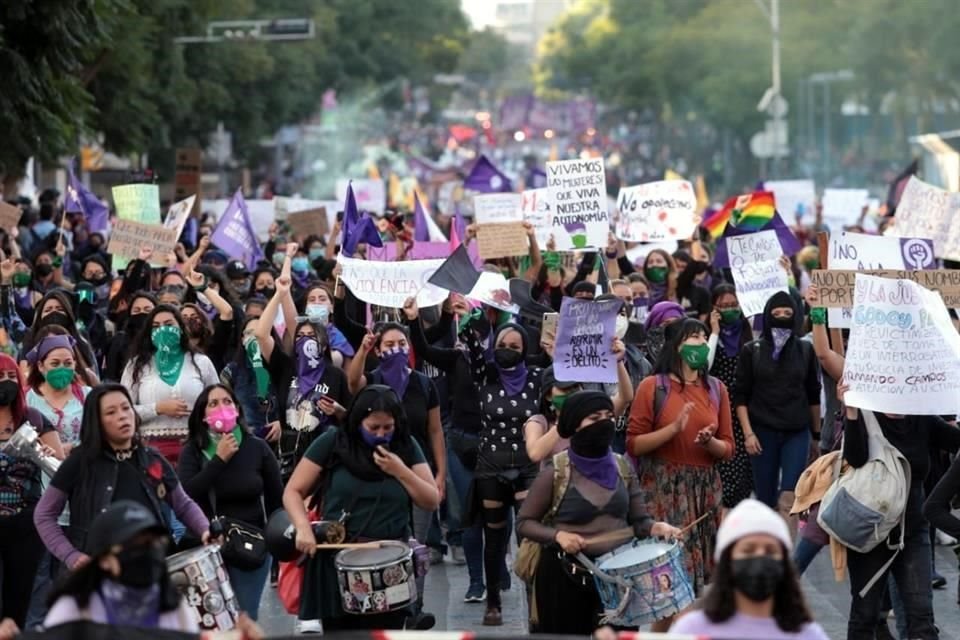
(747, 212)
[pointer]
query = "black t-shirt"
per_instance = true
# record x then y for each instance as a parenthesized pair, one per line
(283, 370)
(129, 485)
(418, 399)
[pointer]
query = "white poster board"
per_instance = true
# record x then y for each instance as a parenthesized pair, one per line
(656, 211)
(793, 197)
(926, 211)
(389, 284)
(178, 213)
(842, 207)
(535, 206)
(578, 199)
(757, 274)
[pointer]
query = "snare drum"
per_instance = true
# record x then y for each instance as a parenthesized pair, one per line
(376, 580)
(201, 578)
(641, 582)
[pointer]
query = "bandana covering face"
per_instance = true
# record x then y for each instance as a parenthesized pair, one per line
(310, 364)
(393, 367)
(169, 356)
(780, 337)
(131, 606)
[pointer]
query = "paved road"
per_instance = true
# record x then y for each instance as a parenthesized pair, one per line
(829, 600)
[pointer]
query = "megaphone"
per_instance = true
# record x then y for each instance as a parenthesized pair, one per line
(25, 443)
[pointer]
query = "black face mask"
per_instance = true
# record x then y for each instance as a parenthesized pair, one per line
(195, 327)
(757, 578)
(43, 270)
(58, 318)
(781, 323)
(593, 441)
(142, 566)
(266, 292)
(98, 282)
(507, 358)
(135, 323)
(8, 392)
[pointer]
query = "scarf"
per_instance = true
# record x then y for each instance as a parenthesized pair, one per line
(395, 370)
(513, 379)
(780, 337)
(169, 360)
(310, 364)
(601, 470)
(730, 338)
(130, 606)
(211, 449)
(656, 292)
(255, 358)
(338, 342)
(663, 311)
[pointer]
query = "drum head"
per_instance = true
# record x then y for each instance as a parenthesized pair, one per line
(636, 555)
(388, 552)
(190, 556)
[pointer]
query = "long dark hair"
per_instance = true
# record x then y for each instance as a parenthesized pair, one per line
(92, 442)
(746, 335)
(669, 361)
(142, 349)
(63, 298)
(789, 606)
(199, 431)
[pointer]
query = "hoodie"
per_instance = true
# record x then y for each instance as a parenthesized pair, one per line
(778, 394)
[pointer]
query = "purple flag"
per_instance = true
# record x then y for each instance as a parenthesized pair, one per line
(788, 241)
(422, 170)
(585, 333)
(536, 179)
(79, 199)
(234, 233)
(486, 178)
(421, 232)
(357, 229)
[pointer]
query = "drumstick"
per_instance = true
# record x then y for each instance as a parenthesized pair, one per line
(697, 521)
(350, 545)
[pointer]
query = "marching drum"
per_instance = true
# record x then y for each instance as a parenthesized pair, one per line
(641, 582)
(201, 578)
(376, 579)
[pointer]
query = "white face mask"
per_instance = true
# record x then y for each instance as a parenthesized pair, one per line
(622, 325)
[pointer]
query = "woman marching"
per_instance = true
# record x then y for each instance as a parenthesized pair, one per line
(373, 472)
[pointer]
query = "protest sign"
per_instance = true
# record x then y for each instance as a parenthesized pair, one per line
(492, 208)
(371, 195)
(502, 240)
(9, 215)
(793, 197)
(585, 333)
(389, 284)
(178, 213)
(535, 205)
(127, 237)
(493, 289)
(188, 172)
(757, 274)
(904, 354)
(843, 207)
(835, 287)
(861, 252)
(137, 202)
(656, 211)
(312, 222)
(578, 200)
(926, 211)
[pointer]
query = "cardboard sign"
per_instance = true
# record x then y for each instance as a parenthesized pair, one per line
(578, 200)
(188, 173)
(371, 195)
(585, 333)
(926, 211)
(502, 240)
(656, 211)
(794, 197)
(835, 287)
(128, 236)
(389, 284)
(757, 274)
(178, 214)
(137, 202)
(9, 215)
(535, 206)
(904, 354)
(494, 208)
(306, 223)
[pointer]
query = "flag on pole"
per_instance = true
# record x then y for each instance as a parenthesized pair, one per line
(486, 178)
(357, 228)
(458, 228)
(79, 199)
(234, 233)
(424, 228)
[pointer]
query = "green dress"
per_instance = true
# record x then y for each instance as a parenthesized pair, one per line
(378, 511)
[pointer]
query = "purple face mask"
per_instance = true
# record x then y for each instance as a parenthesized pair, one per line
(373, 440)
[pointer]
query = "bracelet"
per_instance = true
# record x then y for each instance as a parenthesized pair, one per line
(818, 315)
(611, 255)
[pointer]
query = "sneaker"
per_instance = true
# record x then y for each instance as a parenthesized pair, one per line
(304, 627)
(422, 621)
(436, 556)
(458, 556)
(492, 618)
(476, 593)
(937, 581)
(945, 540)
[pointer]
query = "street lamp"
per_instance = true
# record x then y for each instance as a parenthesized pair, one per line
(772, 101)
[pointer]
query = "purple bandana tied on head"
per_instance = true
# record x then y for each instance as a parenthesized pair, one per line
(601, 470)
(394, 367)
(663, 311)
(310, 364)
(780, 337)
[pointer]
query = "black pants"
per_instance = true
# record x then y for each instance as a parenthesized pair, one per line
(496, 534)
(567, 602)
(20, 553)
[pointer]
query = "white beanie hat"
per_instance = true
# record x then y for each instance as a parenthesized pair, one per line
(748, 518)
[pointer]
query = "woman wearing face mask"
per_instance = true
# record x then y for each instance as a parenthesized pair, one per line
(230, 473)
(247, 377)
(264, 282)
(95, 272)
(21, 549)
(25, 297)
(778, 402)
(133, 323)
(679, 428)
(56, 309)
(730, 331)
(10, 319)
(661, 315)
(661, 274)
(375, 473)
(111, 464)
(47, 275)
(301, 272)
(165, 376)
(755, 592)
(603, 496)
(693, 283)
(318, 309)
(311, 391)
(125, 581)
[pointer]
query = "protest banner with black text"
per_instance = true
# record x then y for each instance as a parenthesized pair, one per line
(757, 274)
(584, 337)
(578, 200)
(389, 284)
(656, 211)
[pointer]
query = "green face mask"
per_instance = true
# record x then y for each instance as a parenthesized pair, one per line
(557, 402)
(657, 275)
(21, 279)
(166, 338)
(59, 378)
(695, 355)
(729, 316)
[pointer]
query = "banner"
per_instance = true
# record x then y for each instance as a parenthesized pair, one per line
(842, 207)
(836, 288)
(493, 208)
(178, 213)
(794, 197)
(389, 284)
(578, 200)
(137, 202)
(656, 211)
(861, 252)
(757, 274)
(904, 354)
(585, 333)
(371, 194)
(128, 236)
(535, 206)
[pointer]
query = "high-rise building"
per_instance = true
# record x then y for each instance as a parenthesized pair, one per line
(524, 22)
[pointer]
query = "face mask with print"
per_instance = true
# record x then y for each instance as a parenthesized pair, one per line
(695, 355)
(222, 419)
(167, 338)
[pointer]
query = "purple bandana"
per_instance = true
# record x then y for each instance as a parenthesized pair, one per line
(657, 292)
(663, 311)
(48, 344)
(730, 338)
(513, 379)
(310, 364)
(780, 337)
(601, 470)
(395, 369)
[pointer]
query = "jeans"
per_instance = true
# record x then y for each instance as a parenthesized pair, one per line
(177, 528)
(911, 574)
(804, 553)
(47, 572)
(471, 538)
(779, 465)
(248, 585)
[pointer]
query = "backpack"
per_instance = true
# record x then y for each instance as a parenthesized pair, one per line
(863, 506)
(662, 392)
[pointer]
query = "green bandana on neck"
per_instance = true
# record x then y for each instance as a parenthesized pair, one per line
(465, 320)
(255, 358)
(211, 449)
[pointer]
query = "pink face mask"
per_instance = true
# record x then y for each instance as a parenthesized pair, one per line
(222, 419)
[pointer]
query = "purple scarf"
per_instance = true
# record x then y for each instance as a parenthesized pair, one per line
(395, 369)
(657, 293)
(513, 379)
(602, 470)
(780, 337)
(730, 337)
(310, 364)
(663, 311)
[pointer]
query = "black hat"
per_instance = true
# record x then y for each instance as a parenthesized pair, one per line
(118, 524)
(237, 270)
(548, 381)
(579, 406)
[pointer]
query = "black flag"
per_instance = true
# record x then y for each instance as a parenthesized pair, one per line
(457, 273)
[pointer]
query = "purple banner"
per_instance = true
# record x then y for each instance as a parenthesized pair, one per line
(234, 233)
(528, 112)
(585, 334)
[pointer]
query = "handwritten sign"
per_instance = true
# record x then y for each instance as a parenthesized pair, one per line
(491, 208)
(371, 195)
(835, 287)
(138, 202)
(9, 215)
(794, 198)
(312, 222)
(656, 211)
(578, 200)
(904, 354)
(585, 333)
(502, 240)
(127, 237)
(389, 284)
(757, 273)
(535, 206)
(178, 213)
(926, 211)
(843, 206)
